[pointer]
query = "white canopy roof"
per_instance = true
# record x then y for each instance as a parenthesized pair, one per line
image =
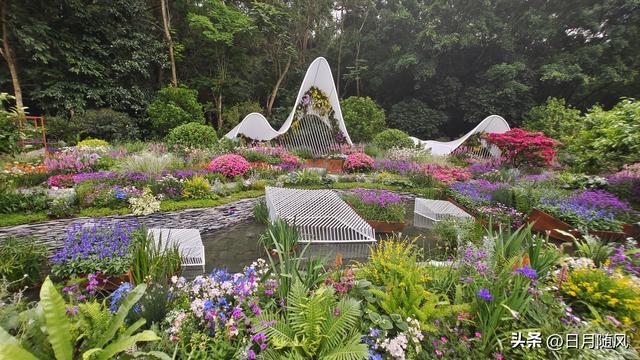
(256, 126)
(491, 124)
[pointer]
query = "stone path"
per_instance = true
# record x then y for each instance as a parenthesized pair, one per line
(52, 233)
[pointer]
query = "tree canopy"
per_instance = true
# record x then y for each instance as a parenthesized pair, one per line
(455, 61)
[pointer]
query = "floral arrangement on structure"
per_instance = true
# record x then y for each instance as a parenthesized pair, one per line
(316, 100)
(230, 165)
(377, 205)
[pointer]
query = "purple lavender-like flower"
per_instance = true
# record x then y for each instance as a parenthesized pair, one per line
(528, 272)
(485, 294)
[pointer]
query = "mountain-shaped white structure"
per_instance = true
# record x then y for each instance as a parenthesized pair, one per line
(308, 133)
(491, 124)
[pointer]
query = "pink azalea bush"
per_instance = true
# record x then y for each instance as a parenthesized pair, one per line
(61, 181)
(521, 147)
(358, 162)
(446, 174)
(230, 165)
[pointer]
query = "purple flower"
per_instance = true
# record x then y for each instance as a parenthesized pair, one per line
(381, 198)
(528, 272)
(485, 294)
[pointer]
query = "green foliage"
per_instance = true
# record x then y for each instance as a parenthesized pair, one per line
(314, 326)
(593, 248)
(9, 131)
(90, 142)
(24, 261)
(197, 187)
(555, 119)
(260, 212)
(289, 265)
(399, 287)
(594, 293)
(104, 336)
(390, 138)
(235, 113)
(104, 124)
(149, 163)
(362, 117)
(12, 201)
(153, 261)
(192, 135)
(417, 118)
(174, 106)
(609, 139)
(304, 177)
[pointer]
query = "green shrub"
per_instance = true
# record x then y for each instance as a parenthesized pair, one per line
(90, 142)
(9, 131)
(174, 106)
(260, 212)
(232, 115)
(197, 188)
(149, 163)
(363, 117)
(392, 138)
(104, 124)
(60, 129)
(609, 139)
(62, 207)
(556, 119)
(20, 257)
(12, 201)
(192, 135)
(415, 117)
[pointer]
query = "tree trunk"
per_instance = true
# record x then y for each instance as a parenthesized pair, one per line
(166, 23)
(340, 50)
(276, 87)
(10, 58)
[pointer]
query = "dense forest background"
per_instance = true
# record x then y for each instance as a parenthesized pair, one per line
(437, 65)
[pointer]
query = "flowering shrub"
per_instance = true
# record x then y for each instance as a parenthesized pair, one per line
(590, 209)
(405, 345)
(71, 160)
(222, 306)
(615, 295)
(289, 162)
(381, 205)
(521, 147)
(230, 165)
(197, 188)
(61, 181)
(99, 247)
(92, 143)
(502, 214)
(358, 162)
(81, 177)
(17, 168)
(626, 183)
(145, 204)
(445, 174)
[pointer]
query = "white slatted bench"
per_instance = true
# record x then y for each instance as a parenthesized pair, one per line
(323, 220)
(427, 212)
(189, 244)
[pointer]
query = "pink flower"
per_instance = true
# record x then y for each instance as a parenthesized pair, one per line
(443, 340)
(230, 165)
(439, 352)
(358, 162)
(499, 356)
(478, 334)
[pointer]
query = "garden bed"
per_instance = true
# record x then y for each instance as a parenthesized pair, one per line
(332, 165)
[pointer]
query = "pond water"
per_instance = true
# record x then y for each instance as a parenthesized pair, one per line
(237, 246)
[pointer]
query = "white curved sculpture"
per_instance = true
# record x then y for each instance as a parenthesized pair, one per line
(255, 126)
(491, 124)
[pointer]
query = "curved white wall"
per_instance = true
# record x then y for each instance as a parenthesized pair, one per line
(256, 126)
(491, 124)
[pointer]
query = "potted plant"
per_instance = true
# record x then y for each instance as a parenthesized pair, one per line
(382, 209)
(100, 252)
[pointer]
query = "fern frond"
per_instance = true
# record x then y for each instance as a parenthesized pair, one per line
(352, 349)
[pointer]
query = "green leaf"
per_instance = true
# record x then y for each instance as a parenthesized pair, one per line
(15, 351)
(58, 326)
(118, 319)
(125, 342)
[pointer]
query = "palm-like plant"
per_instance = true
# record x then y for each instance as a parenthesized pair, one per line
(314, 326)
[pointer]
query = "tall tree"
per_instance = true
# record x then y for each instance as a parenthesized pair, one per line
(9, 56)
(220, 24)
(166, 26)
